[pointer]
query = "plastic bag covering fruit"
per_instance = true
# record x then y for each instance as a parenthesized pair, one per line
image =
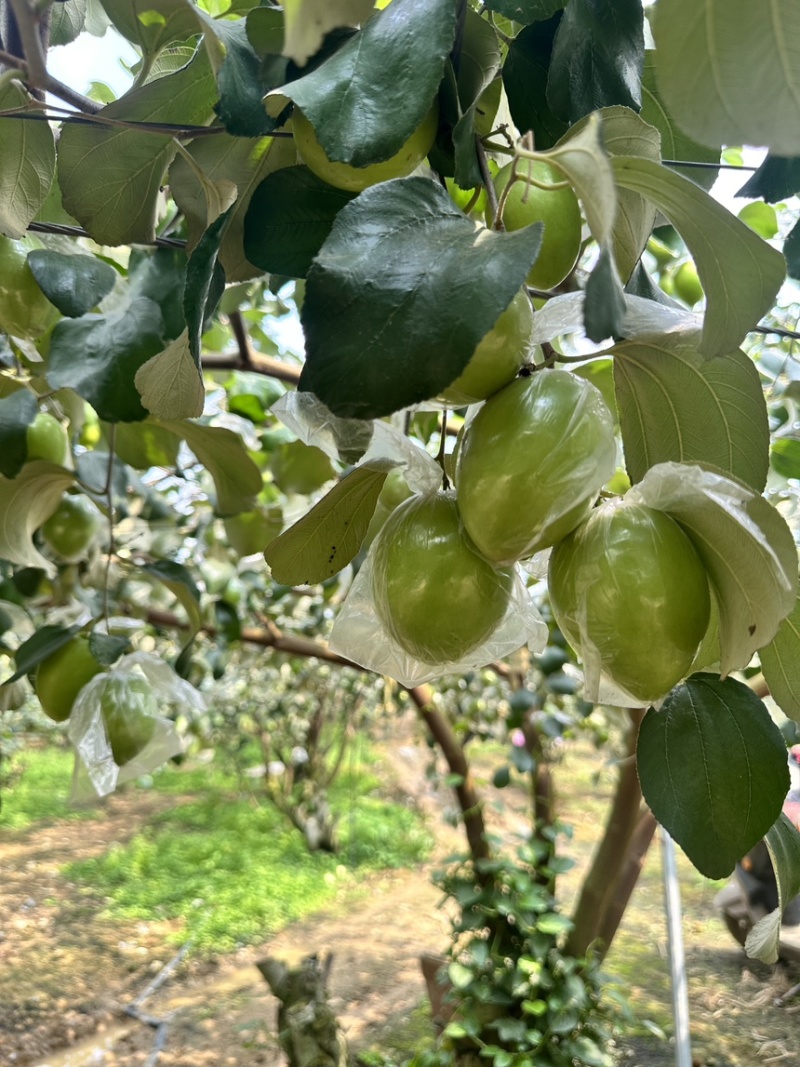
(71, 528)
(532, 462)
(631, 594)
(61, 676)
(434, 594)
(557, 208)
(24, 309)
(354, 179)
(129, 712)
(498, 357)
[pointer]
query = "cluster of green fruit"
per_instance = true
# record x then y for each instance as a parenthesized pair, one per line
(126, 701)
(627, 586)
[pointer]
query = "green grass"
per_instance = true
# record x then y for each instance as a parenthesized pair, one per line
(41, 791)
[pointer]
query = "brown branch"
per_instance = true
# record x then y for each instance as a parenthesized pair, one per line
(628, 877)
(600, 882)
(51, 85)
(421, 697)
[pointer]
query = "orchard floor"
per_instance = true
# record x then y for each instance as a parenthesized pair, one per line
(66, 973)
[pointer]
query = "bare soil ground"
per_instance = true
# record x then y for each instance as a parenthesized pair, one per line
(66, 974)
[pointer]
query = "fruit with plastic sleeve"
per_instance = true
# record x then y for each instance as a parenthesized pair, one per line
(631, 594)
(129, 711)
(532, 462)
(433, 593)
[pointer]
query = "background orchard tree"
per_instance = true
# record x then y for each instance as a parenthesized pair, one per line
(343, 160)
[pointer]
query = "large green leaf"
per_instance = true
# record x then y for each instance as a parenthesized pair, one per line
(367, 99)
(729, 70)
(27, 163)
(152, 24)
(774, 180)
(75, 284)
(783, 843)
(25, 503)
(160, 275)
(525, 80)
(740, 273)
(17, 412)
(110, 176)
(289, 219)
(307, 22)
(597, 57)
(329, 536)
(401, 294)
(745, 544)
(242, 83)
(170, 384)
(244, 162)
(712, 765)
(205, 284)
(675, 405)
(98, 356)
(674, 142)
(222, 452)
(625, 134)
(780, 662)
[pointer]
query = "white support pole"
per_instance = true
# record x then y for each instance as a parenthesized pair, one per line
(677, 957)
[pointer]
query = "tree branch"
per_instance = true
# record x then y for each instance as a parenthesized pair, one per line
(51, 85)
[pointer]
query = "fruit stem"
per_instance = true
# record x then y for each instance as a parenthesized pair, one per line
(440, 454)
(488, 184)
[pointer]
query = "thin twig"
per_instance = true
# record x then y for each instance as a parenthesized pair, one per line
(51, 85)
(65, 230)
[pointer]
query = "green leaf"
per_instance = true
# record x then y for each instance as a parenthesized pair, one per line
(366, 100)
(245, 163)
(205, 283)
(744, 543)
(111, 177)
(477, 59)
(180, 583)
(170, 384)
(75, 284)
(597, 59)
(740, 273)
(17, 412)
(676, 405)
(553, 924)
(241, 83)
(780, 662)
(791, 250)
(785, 457)
(525, 11)
(66, 22)
(222, 452)
(727, 70)
(27, 163)
(25, 503)
(300, 468)
(152, 24)
(144, 444)
(160, 275)
(761, 218)
(106, 648)
(401, 294)
(625, 134)
(774, 180)
(604, 309)
(307, 22)
(525, 80)
(783, 843)
(47, 640)
(289, 219)
(330, 535)
(674, 142)
(582, 157)
(98, 356)
(712, 765)
(459, 975)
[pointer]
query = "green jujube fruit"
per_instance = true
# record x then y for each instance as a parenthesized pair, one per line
(61, 676)
(433, 593)
(631, 594)
(129, 711)
(532, 462)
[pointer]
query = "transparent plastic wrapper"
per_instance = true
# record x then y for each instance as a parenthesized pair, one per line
(116, 727)
(562, 317)
(532, 462)
(631, 594)
(423, 588)
(356, 441)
